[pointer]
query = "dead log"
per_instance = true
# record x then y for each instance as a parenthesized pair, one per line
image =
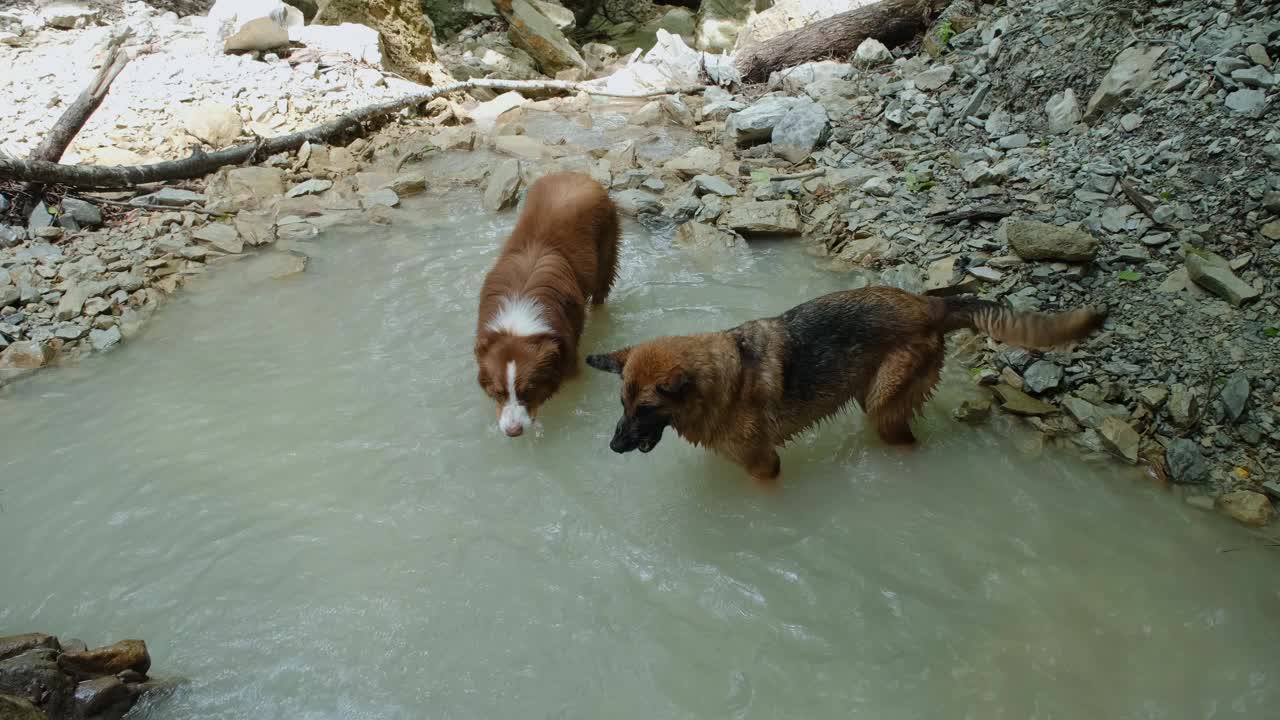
(200, 163)
(77, 113)
(892, 22)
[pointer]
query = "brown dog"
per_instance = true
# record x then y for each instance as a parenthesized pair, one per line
(563, 249)
(746, 391)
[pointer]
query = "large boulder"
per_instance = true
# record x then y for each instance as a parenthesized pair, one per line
(405, 32)
(787, 15)
(535, 33)
(247, 25)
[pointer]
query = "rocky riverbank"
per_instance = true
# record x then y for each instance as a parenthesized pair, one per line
(1124, 155)
(44, 678)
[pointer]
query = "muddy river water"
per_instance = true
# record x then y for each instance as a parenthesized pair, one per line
(294, 491)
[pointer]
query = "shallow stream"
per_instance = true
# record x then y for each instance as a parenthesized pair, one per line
(294, 491)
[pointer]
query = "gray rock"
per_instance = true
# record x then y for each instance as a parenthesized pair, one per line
(72, 302)
(221, 237)
(212, 123)
(100, 694)
(973, 412)
(35, 677)
(263, 33)
(86, 214)
(276, 265)
(1131, 72)
(532, 31)
(102, 340)
(39, 219)
(9, 295)
(1253, 77)
(1042, 375)
(701, 236)
(770, 217)
(1250, 103)
(872, 52)
(675, 108)
(1219, 280)
(800, 131)
(1120, 438)
(26, 355)
(714, 185)
(503, 186)
(171, 197)
(1183, 405)
(697, 161)
(1089, 414)
(1258, 55)
(1013, 142)
(11, 236)
(69, 331)
(755, 124)
(385, 197)
(1039, 241)
(933, 78)
(637, 202)
(314, 186)
(1063, 111)
(1235, 395)
(1185, 463)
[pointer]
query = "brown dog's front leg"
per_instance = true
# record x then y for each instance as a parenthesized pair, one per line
(765, 467)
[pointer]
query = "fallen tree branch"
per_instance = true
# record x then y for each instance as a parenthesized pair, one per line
(1141, 202)
(892, 22)
(64, 131)
(133, 205)
(979, 212)
(200, 163)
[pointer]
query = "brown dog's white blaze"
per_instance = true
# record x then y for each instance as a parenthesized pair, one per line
(520, 318)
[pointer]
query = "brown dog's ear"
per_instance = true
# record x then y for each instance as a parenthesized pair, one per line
(676, 386)
(610, 362)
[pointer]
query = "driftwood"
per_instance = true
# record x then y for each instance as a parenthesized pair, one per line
(979, 212)
(1141, 202)
(892, 22)
(200, 163)
(77, 113)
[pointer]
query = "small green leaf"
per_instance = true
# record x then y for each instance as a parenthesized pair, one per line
(1271, 331)
(760, 176)
(1129, 275)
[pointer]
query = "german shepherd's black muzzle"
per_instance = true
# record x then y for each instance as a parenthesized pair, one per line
(637, 433)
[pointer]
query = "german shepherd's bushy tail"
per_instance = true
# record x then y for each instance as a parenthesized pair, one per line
(1032, 330)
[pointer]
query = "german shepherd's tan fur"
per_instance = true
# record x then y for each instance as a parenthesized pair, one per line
(744, 392)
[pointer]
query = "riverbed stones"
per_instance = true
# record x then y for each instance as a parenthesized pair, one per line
(221, 237)
(72, 302)
(1246, 507)
(11, 645)
(109, 659)
(503, 187)
(702, 236)
(1033, 240)
(1235, 395)
(276, 265)
(1063, 111)
(85, 214)
(704, 184)
(13, 707)
(1017, 402)
(385, 197)
(101, 694)
(800, 131)
(103, 340)
(172, 197)
(314, 186)
(755, 124)
(973, 412)
(1219, 280)
(1131, 72)
(1185, 462)
(764, 217)
(1120, 438)
(696, 161)
(1042, 376)
(35, 676)
(636, 202)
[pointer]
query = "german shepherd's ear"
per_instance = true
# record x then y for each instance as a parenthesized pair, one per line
(610, 362)
(677, 386)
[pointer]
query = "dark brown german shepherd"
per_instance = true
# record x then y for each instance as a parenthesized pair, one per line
(746, 391)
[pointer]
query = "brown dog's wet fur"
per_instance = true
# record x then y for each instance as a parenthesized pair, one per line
(747, 391)
(563, 249)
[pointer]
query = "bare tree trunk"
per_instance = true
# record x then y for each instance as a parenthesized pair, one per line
(892, 22)
(200, 163)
